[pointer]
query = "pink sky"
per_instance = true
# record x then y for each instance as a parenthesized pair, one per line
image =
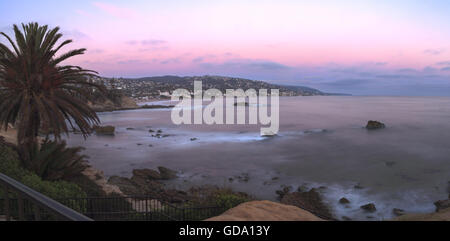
(270, 40)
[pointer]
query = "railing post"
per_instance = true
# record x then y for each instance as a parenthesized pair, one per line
(7, 211)
(21, 207)
(37, 212)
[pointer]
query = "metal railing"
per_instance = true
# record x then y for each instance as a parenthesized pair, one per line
(23, 203)
(139, 208)
(19, 202)
(120, 208)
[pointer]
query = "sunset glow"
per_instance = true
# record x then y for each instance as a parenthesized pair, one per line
(322, 44)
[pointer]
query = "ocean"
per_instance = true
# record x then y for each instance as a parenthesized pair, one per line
(322, 142)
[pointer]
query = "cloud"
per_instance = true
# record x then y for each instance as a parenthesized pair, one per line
(434, 51)
(198, 59)
(116, 11)
(155, 48)
(251, 65)
(76, 34)
(95, 51)
(131, 61)
(407, 70)
(147, 42)
(346, 83)
(153, 42)
(443, 63)
(170, 60)
(445, 69)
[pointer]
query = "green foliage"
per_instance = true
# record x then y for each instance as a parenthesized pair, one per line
(55, 161)
(210, 196)
(37, 93)
(10, 166)
(230, 200)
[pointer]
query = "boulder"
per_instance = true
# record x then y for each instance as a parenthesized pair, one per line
(398, 212)
(370, 207)
(167, 173)
(345, 218)
(442, 204)
(125, 185)
(147, 174)
(373, 125)
(344, 201)
(310, 201)
(284, 190)
(104, 130)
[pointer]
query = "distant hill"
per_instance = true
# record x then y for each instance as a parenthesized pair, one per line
(154, 86)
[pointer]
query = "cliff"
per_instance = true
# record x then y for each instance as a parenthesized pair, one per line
(123, 103)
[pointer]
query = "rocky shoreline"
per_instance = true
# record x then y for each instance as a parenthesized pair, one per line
(125, 103)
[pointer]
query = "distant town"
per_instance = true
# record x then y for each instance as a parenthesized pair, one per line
(161, 87)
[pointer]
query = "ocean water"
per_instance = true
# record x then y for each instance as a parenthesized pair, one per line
(321, 143)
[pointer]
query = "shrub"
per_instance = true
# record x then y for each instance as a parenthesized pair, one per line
(55, 161)
(230, 200)
(10, 166)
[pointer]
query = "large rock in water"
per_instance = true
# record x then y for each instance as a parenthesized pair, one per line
(265, 211)
(442, 204)
(310, 201)
(147, 174)
(104, 130)
(374, 125)
(167, 173)
(370, 207)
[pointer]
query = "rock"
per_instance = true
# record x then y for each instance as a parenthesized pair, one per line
(398, 211)
(104, 130)
(167, 173)
(442, 204)
(125, 185)
(139, 144)
(130, 128)
(244, 177)
(147, 174)
(373, 125)
(193, 139)
(275, 178)
(389, 163)
(345, 218)
(303, 188)
(370, 207)
(284, 190)
(151, 131)
(344, 201)
(159, 131)
(358, 186)
(310, 201)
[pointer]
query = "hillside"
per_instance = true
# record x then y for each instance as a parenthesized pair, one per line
(160, 85)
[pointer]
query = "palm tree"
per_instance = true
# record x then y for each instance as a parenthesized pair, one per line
(37, 93)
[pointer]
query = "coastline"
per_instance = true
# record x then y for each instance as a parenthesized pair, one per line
(94, 176)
